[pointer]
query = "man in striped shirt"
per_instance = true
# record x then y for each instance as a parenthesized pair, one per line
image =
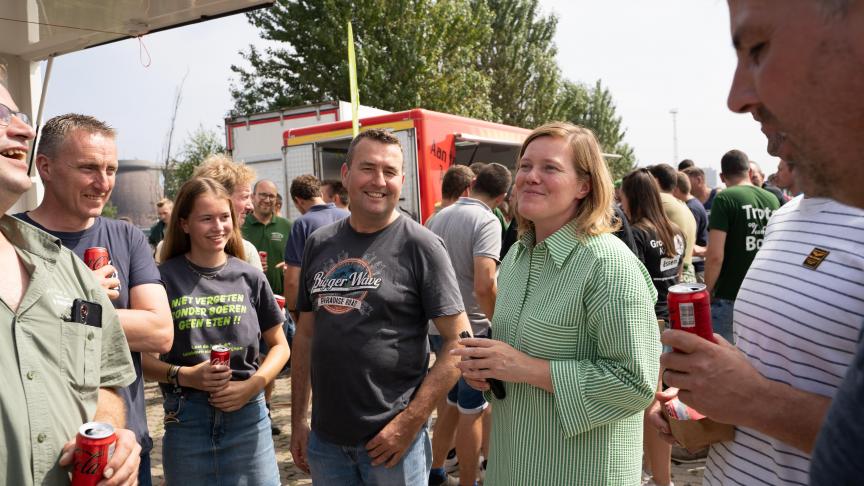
(799, 74)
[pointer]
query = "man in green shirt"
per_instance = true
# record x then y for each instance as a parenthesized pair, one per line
(736, 228)
(268, 232)
(58, 373)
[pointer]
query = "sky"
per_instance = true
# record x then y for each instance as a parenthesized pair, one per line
(653, 57)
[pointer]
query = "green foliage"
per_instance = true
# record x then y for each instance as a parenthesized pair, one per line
(201, 144)
(488, 59)
(109, 210)
(410, 53)
(594, 108)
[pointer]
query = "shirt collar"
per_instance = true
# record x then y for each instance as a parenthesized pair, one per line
(472, 201)
(559, 244)
(30, 238)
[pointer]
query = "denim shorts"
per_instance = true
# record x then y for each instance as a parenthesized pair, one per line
(203, 445)
(337, 465)
(468, 400)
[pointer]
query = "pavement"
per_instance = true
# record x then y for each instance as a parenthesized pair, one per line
(689, 474)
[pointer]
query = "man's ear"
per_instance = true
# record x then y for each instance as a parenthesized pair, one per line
(43, 165)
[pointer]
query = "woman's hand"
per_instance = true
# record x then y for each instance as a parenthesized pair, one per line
(488, 358)
(205, 377)
(234, 396)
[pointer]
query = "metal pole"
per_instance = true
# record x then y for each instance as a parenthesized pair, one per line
(674, 112)
(40, 112)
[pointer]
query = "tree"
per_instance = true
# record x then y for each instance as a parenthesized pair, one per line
(409, 53)
(594, 108)
(109, 210)
(520, 62)
(201, 144)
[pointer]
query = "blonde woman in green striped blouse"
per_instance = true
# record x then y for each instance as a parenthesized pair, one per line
(575, 336)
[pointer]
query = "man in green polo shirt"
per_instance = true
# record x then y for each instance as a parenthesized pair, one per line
(268, 232)
(58, 371)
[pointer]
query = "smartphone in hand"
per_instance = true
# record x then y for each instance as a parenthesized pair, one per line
(496, 385)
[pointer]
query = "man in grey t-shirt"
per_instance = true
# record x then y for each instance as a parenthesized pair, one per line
(369, 284)
(472, 235)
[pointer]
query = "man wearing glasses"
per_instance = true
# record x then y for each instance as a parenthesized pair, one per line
(268, 232)
(58, 372)
(77, 161)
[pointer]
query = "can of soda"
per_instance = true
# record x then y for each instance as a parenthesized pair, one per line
(220, 355)
(96, 257)
(280, 301)
(94, 445)
(690, 309)
(263, 256)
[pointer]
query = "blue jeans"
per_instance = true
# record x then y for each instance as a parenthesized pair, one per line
(203, 445)
(721, 317)
(335, 465)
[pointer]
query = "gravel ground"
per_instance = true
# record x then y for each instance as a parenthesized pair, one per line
(683, 475)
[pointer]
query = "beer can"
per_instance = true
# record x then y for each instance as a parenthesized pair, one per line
(220, 355)
(263, 256)
(96, 257)
(94, 445)
(690, 309)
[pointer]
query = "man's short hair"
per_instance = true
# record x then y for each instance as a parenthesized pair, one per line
(456, 180)
(694, 172)
(379, 135)
(337, 190)
(493, 180)
(734, 163)
(56, 130)
(683, 183)
(225, 171)
(305, 187)
(755, 165)
(666, 175)
(685, 164)
(164, 202)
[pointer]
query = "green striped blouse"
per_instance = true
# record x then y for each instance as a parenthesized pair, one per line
(587, 307)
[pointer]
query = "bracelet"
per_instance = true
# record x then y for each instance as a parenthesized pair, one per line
(173, 372)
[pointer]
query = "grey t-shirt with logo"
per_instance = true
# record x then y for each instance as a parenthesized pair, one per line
(233, 308)
(373, 295)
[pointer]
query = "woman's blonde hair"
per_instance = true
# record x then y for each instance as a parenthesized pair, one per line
(177, 242)
(595, 214)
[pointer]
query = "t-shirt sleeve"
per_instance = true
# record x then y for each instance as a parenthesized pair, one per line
(439, 288)
(269, 314)
(487, 242)
(721, 213)
(142, 267)
(294, 245)
(304, 300)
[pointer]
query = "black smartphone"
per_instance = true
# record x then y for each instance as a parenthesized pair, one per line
(496, 385)
(87, 313)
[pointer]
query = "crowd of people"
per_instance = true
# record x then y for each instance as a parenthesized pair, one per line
(541, 290)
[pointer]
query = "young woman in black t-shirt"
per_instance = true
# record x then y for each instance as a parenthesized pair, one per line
(660, 246)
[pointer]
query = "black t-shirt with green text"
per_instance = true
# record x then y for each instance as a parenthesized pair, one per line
(233, 308)
(742, 212)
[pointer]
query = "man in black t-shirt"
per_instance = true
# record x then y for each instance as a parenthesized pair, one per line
(369, 285)
(77, 161)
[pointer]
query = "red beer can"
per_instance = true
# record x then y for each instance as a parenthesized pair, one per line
(263, 256)
(94, 445)
(690, 309)
(96, 257)
(220, 355)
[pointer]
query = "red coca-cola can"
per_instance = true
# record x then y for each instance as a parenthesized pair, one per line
(690, 309)
(94, 445)
(220, 355)
(96, 257)
(263, 256)
(280, 301)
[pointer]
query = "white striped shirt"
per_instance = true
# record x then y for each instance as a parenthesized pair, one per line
(797, 325)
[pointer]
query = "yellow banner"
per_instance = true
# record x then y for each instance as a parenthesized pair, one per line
(352, 77)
